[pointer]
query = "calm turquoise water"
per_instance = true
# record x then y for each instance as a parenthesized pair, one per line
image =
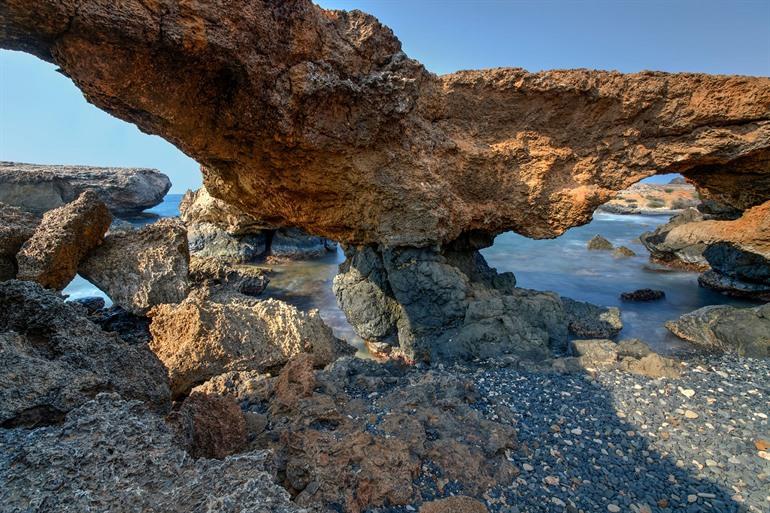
(563, 265)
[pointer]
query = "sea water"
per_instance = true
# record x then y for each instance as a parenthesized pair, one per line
(563, 265)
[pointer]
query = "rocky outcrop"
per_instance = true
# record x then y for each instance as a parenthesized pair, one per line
(631, 355)
(16, 226)
(745, 331)
(61, 241)
(38, 188)
(212, 333)
(113, 455)
(53, 359)
(139, 269)
(213, 273)
(209, 426)
(599, 243)
(653, 199)
(316, 119)
(675, 245)
(218, 229)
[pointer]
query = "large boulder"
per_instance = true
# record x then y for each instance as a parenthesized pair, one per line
(53, 359)
(61, 241)
(113, 455)
(211, 333)
(16, 226)
(199, 207)
(675, 244)
(745, 331)
(139, 269)
(316, 119)
(38, 187)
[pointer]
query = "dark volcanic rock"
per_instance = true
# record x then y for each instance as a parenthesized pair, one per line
(643, 295)
(53, 359)
(587, 320)
(90, 303)
(62, 239)
(294, 244)
(112, 455)
(38, 188)
(734, 287)
(134, 329)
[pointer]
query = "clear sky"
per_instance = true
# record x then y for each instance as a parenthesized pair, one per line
(44, 118)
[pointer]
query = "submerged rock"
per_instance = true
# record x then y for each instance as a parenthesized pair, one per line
(62, 239)
(53, 359)
(112, 455)
(643, 295)
(139, 269)
(598, 242)
(745, 331)
(211, 333)
(16, 226)
(214, 272)
(38, 188)
(623, 252)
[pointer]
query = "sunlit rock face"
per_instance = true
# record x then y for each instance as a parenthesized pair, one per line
(316, 119)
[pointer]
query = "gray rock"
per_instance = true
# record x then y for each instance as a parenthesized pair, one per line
(214, 272)
(16, 226)
(38, 188)
(598, 242)
(207, 240)
(53, 359)
(294, 244)
(112, 455)
(643, 295)
(587, 320)
(738, 262)
(745, 331)
(734, 287)
(634, 348)
(61, 241)
(674, 248)
(139, 269)
(90, 303)
(597, 353)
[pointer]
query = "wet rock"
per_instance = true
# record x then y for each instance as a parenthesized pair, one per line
(61, 241)
(643, 295)
(16, 226)
(282, 145)
(674, 244)
(38, 188)
(209, 241)
(134, 329)
(209, 426)
(211, 333)
(623, 252)
(598, 242)
(745, 331)
(734, 287)
(587, 320)
(457, 504)
(112, 455)
(214, 272)
(54, 358)
(90, 303)
(139, 269)
(294, 244)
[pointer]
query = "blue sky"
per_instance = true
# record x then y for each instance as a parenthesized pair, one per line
(44, 118)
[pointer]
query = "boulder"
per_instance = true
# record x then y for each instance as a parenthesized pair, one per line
(139, 269)
(134, 329)
(16, 226)
(90, 303)
(199, 207)
(53, 359)
(631, 355)
(333, 129)
(652, 365)
(643, 295)
(113, 455)
(598, 242)
(62, 239)
(211, 333)
(595, 353)
(586, 320)
(214, 272)
(38, 188)
(294, 244)
(209, 426)
(734, 287)
(623, 252)
(745, 331)
(207, 240)
(674, 243)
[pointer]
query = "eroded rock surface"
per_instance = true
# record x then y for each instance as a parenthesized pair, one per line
(745, 331)
(139, 269)
(62, 239)
(38, 188)
(316, 119)
(53, 359)
(113, 455)
(210, 333)
(214, 272)
(16, 226)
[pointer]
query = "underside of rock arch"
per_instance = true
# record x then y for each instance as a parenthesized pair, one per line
(316, 119)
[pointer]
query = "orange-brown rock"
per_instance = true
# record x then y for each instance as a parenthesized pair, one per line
(63, 238)
(316, 119)
(209, 426)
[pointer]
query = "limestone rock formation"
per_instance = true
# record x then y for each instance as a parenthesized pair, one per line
(53, 359)
(674, 244)
(211, 333)
(316, 119)
(16, 226)
(139, 269)
(745, 331)
(213, 272)
(209, 426)
(112, 455)
(61, 241)
(38, 188)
